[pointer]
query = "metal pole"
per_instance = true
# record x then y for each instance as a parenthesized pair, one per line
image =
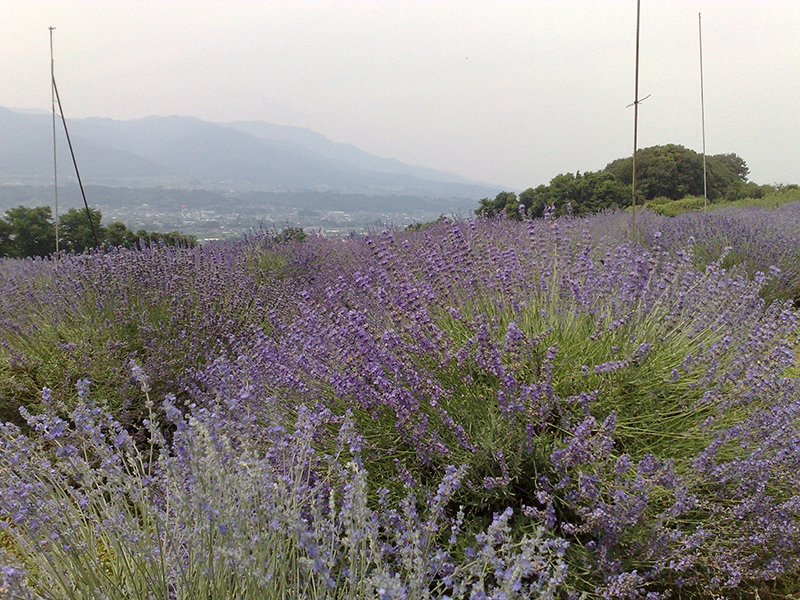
(703, 113)
(53, 109)
(635, 122)
(75, 164)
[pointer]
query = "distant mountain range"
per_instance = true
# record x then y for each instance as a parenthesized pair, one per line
(192, 153)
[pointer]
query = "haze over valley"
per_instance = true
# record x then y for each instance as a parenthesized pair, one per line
(219, 179)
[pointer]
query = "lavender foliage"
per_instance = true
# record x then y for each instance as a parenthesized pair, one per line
(500, 409)
(233, 508)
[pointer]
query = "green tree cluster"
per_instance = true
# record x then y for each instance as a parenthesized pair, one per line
(674, 172)
(27, 232)
(31, 232)
(668, 172)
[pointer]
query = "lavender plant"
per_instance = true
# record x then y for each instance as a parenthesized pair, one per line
(497, 407)
(576, 377)
(754, 239)
(232, 510)
(88, 315)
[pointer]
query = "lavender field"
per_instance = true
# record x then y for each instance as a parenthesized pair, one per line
(478, 409)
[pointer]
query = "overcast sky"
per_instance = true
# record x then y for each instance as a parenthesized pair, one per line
(507, 92)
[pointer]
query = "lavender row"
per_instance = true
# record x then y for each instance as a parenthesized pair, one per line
(753, 239)
(631, 404)
(613, 392)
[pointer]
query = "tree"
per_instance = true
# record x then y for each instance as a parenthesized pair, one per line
(674, 172)
(118, 234)
(172, 238)
(734, 164)
(581, 193)
(176, 238)
(31, 232)
(28, 232)
(665, 173)
(291, 234)
(504, 201)
(7, 247)
(578, 193)
(76, 232)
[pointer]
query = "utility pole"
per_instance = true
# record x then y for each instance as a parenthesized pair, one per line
(635, 121)
(53, 109)
(703, 113)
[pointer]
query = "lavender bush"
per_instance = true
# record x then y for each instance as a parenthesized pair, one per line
(236, 509)
(579, 380)
(88, 315)
(757, 238)
(552, 407)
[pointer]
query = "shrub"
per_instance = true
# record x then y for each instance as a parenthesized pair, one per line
(671, 208)
(582, 380)
(231, 509)
(88, 315)
(753, 239)
(557, 393)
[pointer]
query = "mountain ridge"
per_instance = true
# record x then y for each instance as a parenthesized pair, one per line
(190, 152)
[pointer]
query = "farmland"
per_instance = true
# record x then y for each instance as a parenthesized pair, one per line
(486, 408)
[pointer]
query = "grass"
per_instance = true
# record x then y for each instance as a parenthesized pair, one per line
(671, 208)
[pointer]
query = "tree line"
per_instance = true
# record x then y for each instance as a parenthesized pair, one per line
(28, 231)
(669, 172)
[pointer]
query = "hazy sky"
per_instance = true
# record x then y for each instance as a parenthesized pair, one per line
(503, 91)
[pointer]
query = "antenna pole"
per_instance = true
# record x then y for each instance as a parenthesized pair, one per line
(53, 109)
(703, 113)
(635, 122)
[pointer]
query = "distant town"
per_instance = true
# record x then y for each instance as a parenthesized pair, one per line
(211, 214)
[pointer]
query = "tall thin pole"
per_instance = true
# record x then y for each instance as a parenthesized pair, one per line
(635, 122)
(703, 113)
(75, 164)
(53, 108)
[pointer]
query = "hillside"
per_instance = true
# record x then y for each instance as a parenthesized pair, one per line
(484, 408)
